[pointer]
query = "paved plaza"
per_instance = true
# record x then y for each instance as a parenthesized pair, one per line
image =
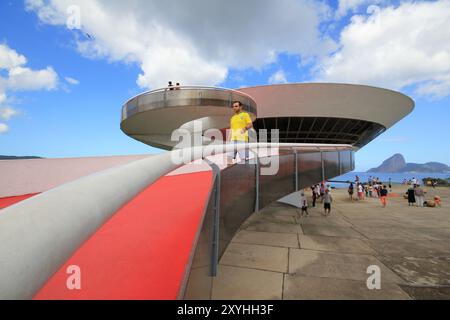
(277, 255)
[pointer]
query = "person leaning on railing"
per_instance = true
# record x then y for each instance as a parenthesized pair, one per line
(240, 124)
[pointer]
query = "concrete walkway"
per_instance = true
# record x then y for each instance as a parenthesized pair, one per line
(277, 255)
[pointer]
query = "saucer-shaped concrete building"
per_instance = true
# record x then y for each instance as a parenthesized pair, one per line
(303, 113)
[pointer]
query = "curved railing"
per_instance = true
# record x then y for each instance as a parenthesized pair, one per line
(183, 96)
(153, 117)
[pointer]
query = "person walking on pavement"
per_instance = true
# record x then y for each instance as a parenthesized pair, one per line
(314, 196)
(383, 195)
(351, 189)
(303, 205)
(327, 199)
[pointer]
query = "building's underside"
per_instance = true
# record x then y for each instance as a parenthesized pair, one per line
(324, 130)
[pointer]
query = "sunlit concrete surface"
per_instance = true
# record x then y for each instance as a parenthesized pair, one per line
(29, 176)
(277, 255)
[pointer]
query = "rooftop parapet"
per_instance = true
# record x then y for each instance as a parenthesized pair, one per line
(151, 117)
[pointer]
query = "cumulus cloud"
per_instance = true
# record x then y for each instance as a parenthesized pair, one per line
(436, 88)
(25, 79)
(72, 81)
(196, 41)
(278, 77)
(7, 113)
(17, 77)
(9, 58)
(3, 128)
(395, 47)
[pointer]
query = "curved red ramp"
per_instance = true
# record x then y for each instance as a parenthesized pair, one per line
(9, 201)
(143, 251)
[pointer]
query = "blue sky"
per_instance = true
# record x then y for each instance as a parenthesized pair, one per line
(51, 117)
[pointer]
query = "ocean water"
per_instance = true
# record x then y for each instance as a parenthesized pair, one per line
(384, 177)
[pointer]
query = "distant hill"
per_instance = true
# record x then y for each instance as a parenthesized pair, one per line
(397, 163)
(18, 158)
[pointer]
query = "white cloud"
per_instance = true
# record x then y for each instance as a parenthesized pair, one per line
(3, 128)
(25, 79)
(7, 113)
(10, 58)
(72, 81)
(436, 88)
(196, 41)
(278, 77)
(395, 47)
(346, 6)
(20, 78)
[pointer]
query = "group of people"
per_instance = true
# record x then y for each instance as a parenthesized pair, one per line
(411, 182)
(416, 196)
(172, 87)
(366, 190)
(321, 191)
(373, 189)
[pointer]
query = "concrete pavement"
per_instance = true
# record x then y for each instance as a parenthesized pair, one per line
(278, 255)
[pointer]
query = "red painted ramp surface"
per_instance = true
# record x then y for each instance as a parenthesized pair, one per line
(143, 250)
(6, 202)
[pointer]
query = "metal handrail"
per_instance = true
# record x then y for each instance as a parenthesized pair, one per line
(189, 88)
(135, 101)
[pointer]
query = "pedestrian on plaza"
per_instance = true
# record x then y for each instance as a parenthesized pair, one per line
(322, 189)
(383, 195)
(420, 195)
(411, 196)
(327, 199)
(314, 196)
(303, 205)
(350, 191)
(360, 192)
(318, 191)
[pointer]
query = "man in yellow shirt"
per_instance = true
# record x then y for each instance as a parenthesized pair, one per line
(240, 123)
